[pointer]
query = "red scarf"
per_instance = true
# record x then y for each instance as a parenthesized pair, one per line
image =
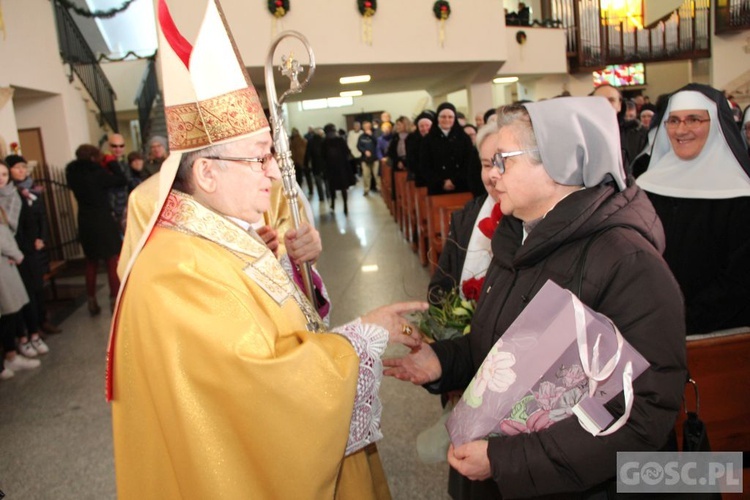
(489, 224)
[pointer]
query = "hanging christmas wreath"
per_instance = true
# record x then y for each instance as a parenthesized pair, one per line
(442, 10)
(278, 8)
(367, 8)
(101, 14)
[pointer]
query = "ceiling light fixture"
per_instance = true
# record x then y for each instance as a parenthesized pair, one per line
(345, 80)
(351, 93)
(505, 79)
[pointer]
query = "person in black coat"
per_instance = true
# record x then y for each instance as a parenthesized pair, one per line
(336, 154)
(98, 231)
(698, 178)
(316, 163)
(32, 236)
(445, 154)
(423, 124)
(563, 190)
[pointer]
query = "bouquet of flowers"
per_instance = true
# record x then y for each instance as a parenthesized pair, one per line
(451, 315)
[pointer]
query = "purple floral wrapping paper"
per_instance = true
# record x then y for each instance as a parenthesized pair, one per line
(533, 376)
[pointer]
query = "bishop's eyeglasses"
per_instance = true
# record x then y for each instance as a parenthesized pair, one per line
(259, 164)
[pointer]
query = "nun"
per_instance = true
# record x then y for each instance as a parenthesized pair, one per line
(698, 179)
(570, 217)
(445, 154)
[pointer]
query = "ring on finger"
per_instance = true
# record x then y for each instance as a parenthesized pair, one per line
(407, 330)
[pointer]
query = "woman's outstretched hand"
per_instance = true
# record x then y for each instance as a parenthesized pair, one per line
(420, 366)
(390, 317)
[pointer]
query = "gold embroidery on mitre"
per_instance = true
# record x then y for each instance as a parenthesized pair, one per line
(219, 118)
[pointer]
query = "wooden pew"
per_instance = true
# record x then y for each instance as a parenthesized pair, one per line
(447, 203)
(718, 363)
(411, 215)
(386, 187)
(420, 214)
(399, 186)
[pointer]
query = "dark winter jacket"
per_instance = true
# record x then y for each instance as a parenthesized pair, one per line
(444, 157)
(413, 148)
(314, 158)
(626, 279)
(32, 225)
(336, 155)
(98, 230)
(633, 139)
(368, 143)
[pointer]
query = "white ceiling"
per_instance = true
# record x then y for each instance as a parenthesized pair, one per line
(132, 30)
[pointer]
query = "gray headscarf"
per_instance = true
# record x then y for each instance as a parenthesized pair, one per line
(578, 140)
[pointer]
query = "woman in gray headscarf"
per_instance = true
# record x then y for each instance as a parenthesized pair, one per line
(562, 188)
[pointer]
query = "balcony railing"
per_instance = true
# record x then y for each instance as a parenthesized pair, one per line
(145, 98)
(76, 52)
(732, 15)
(593, 42)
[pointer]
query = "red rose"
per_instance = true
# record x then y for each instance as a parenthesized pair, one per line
(472, 288)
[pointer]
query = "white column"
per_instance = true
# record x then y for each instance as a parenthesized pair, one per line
(480, 99)
(8, 126)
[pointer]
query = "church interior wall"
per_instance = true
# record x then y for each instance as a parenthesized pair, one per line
(409, 104)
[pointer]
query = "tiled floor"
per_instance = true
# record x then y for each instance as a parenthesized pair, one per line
(55, 432)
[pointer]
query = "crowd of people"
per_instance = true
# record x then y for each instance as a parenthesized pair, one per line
(437, 149)
(646, 224)
(101, 183)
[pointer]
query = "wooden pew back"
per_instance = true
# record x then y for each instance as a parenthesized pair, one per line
(399, 186)
(446, 203)
(719, 365)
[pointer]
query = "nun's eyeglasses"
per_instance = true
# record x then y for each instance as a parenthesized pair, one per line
(498, 159)
(259, 164)
(691, 122)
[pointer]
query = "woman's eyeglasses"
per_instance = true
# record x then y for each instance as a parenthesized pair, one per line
(498, 159)
(259, 164)
(691, 122)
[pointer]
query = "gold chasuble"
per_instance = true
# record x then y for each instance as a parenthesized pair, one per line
(220, 390)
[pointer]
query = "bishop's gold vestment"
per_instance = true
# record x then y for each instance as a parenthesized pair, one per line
(219, 389)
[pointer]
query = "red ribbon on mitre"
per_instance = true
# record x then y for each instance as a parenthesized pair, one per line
(489, 224)
(179, 44)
